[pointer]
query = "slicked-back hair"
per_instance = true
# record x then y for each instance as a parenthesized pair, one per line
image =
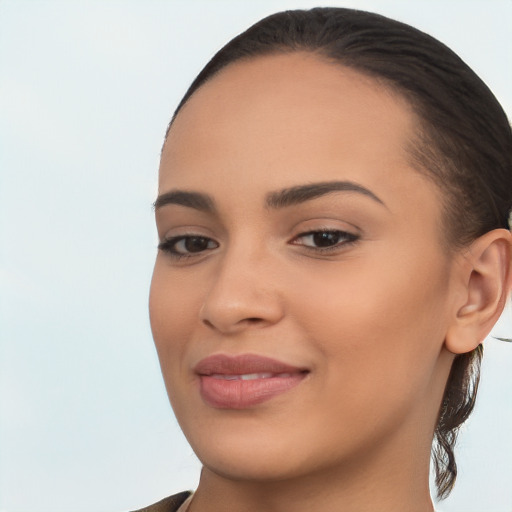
(463, 143)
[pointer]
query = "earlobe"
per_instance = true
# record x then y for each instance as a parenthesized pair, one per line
(486, 277)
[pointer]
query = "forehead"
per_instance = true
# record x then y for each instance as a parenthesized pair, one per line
(291, 87)
(279, 120)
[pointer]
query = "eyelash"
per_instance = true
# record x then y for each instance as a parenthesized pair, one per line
(346, 239)
(169, 245)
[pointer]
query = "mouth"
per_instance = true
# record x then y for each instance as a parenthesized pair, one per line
(244, 381)
(250, 376)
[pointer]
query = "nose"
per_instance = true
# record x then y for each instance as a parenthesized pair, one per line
(243, 295)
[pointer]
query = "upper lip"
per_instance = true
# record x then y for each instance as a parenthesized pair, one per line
(243, 364)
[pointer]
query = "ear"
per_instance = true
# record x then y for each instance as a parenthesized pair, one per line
(485, 281)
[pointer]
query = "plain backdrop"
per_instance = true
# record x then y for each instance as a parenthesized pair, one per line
(86, 91)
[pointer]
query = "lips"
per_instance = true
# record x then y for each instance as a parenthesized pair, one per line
(240, 382)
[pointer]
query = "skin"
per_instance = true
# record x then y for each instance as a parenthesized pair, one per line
(368, 319)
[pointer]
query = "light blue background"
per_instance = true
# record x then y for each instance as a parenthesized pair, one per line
(86, 91)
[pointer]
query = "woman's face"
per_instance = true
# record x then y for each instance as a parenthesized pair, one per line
(302, 294)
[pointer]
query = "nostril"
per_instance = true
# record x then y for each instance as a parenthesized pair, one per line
(253, 322)
(208, 324)
(238, 324)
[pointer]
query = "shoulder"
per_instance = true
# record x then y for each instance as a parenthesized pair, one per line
(170, 504)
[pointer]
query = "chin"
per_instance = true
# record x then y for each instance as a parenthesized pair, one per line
(260, 452)
(249, 450)
(251, 466)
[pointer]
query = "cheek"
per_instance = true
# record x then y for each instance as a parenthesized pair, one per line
(172, 315)
(377, 323)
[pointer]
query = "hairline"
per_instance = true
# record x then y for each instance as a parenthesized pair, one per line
(422, 161)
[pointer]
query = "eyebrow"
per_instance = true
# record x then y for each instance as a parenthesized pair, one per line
(275, 200)
(302, 193)
(196, 200)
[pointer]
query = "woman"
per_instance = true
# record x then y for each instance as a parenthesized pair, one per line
(333, 213)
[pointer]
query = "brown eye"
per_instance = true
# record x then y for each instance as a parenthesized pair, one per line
(187, 245)
(195, 243)
(325, 239)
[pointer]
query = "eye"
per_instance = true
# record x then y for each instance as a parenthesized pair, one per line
(325, 239)
(187, 245)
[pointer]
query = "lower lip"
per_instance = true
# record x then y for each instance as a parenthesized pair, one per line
(241, 394)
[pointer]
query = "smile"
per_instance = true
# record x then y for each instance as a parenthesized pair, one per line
(251, 376)
(240, 382)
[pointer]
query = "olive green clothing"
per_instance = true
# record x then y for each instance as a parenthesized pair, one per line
(170, 504)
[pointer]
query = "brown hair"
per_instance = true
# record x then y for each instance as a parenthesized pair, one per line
(464, 143)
